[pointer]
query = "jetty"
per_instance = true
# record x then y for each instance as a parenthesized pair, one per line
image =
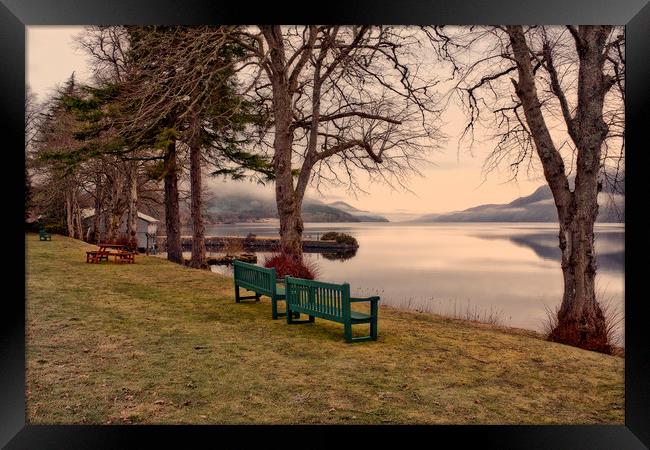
(217, 243)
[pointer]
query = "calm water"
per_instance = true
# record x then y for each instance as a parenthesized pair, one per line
(508, 269)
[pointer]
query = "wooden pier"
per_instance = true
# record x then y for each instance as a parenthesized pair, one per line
(217, 243)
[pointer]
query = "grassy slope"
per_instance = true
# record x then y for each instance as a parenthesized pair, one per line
(155, 342)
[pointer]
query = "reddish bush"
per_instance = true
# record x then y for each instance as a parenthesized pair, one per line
(285, 265)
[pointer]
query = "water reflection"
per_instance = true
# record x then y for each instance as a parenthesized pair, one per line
(340, 255)
(610, 247)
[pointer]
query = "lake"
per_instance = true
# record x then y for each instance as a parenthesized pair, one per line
(506, 270)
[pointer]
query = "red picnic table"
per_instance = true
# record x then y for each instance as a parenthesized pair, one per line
(122, 253)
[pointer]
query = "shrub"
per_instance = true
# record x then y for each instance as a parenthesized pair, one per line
(329, 236)
(341, 238)
(285, 265)
(56, 228)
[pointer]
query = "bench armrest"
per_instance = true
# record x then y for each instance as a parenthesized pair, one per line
(374, 298)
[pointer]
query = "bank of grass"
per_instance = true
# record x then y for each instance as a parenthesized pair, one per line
(155, 342)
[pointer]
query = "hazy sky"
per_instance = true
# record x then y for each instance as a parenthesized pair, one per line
(454, 182)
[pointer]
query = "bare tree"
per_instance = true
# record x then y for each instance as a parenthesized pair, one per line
(32, 119)
(108, 48)
(557, 93)
(340, 99)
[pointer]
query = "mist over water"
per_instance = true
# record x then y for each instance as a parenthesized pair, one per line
(510, 271)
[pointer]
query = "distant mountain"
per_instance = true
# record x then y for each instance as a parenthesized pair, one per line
(245, 207)
(536, 207)
(345, 207)
(314, 211)
(363, 216)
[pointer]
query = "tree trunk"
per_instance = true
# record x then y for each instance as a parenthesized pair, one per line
(114, 224)
(288, 203)
(291, 227)
(98, 208)
(116, 211)
(198, 230)
(581, 321)
(68, 212)
(79, 234)
(172, 212)
(132, 228)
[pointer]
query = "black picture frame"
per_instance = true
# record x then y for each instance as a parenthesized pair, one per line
(15, 15)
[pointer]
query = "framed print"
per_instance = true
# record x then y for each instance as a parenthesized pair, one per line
(419, 219)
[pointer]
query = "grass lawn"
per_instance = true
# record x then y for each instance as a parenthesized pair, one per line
(154, 342)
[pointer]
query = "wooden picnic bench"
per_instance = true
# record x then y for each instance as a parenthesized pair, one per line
(260, 280)
(122, 254)
(95, 256)
(330, 302)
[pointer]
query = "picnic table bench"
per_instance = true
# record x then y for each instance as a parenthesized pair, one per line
(260, 280)
(122, 254)
(330, 302)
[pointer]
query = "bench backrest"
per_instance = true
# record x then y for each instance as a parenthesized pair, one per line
(256, 278)
(327, 300)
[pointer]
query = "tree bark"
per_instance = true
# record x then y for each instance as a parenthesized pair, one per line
(98, 208)
(288, 203)
(198, 260)
(116, 210)
(580, 319)
(172, 212)
(79, 234)
(68, 212)
(132, 228)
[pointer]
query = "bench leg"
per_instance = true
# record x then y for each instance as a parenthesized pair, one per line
(347, 328)
(274, 308)
(373, 329)
(237, 294)
(291, 318)
(257, 297)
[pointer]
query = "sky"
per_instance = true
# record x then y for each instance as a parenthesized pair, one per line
(454, 181)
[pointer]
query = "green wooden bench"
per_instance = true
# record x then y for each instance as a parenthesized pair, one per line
(331, 302)
(260, 280)
(43, 235)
